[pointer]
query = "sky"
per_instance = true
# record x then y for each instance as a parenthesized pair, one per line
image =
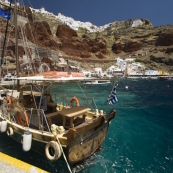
(101, 12)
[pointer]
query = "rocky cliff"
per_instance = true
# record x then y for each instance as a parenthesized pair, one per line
(135, 38)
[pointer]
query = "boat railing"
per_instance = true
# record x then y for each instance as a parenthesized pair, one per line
(83, 101)
(37, 119)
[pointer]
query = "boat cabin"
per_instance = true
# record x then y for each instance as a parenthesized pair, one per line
(66, 116)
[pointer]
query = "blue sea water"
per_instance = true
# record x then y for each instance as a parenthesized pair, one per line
(139, 140)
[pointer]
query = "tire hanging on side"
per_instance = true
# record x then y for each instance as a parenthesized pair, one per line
(10, 131)
(53, 151)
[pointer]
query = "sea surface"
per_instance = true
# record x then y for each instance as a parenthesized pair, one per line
(140, 137)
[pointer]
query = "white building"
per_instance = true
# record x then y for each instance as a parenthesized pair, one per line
(121, 63)
(98, 70)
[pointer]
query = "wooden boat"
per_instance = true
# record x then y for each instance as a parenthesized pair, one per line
(72, 128)
(53, 128)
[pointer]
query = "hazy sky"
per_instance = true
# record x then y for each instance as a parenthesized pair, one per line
(101, 12)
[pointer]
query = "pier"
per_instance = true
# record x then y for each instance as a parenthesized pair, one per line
(10, 164)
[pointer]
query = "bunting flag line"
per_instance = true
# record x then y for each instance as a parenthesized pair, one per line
(5, 14)
(112, 97)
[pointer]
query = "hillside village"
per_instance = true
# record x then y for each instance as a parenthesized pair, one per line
(128, 48)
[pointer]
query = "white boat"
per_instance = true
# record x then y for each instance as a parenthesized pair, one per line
(98, 83)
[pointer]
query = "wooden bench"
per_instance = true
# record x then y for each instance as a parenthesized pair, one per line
(51, 114)
(70, 113)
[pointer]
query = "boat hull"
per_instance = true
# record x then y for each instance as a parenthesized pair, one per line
(80, 148)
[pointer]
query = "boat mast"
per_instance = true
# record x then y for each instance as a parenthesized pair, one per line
(4, 43)
(16, 43)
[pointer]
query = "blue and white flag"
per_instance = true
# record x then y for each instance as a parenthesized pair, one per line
(112, 97)
(4, 13)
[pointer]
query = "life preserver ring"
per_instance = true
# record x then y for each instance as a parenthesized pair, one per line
(10, 101)
(53, 151)
(8, 106)
(74, 99)
(24, 121)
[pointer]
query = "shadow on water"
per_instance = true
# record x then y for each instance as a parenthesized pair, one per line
(89, 162)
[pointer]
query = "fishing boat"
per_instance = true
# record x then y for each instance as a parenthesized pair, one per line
(98, 83)
(58, 125)
(73, 126)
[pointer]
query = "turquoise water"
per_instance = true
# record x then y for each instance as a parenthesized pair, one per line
(140, 138)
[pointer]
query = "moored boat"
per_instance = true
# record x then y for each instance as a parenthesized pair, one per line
(166, 78)
(69, 126)
(98, 83)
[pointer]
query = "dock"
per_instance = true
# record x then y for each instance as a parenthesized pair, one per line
(9, 164)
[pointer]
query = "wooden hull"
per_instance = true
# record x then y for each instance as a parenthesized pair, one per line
(79, 149)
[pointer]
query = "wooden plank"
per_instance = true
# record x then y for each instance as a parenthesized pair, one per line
(74, 111)
(50, 115)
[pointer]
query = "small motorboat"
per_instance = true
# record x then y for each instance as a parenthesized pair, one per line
(98, 83)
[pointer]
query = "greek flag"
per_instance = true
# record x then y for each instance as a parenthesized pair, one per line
(112, 97)
(5, 14)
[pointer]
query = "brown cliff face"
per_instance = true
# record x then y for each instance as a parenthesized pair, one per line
(84, 47)
(169, 50)
(132, 46)
(165, 39)
(126, 47)
(46, 26)
(40, 34)
(117, 48)
(65, 31)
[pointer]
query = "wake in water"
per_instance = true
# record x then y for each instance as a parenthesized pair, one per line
(87, 162)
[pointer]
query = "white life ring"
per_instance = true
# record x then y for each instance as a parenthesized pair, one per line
(10, 131)
(53, 151)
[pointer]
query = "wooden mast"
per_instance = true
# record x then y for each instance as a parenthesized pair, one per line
(5, 37)
(16, 44)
